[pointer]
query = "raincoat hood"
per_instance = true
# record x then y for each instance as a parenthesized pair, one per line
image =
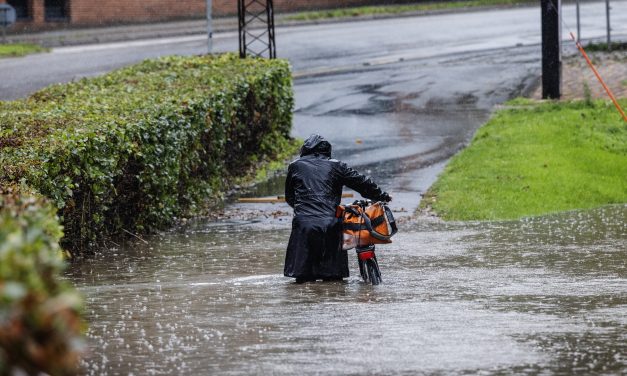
(316, 144)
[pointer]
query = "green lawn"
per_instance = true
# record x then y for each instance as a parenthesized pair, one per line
(19, 49)
(397, 9)
(533, 159)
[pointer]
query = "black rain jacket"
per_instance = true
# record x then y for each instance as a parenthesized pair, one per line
(314, 189)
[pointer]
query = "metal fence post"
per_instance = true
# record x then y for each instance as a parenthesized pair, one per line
(209, 27)
(607, 17)
(578, 24)
(241, 15)
(271, 39)
(3, 15)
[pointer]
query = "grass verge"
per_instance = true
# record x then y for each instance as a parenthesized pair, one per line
(396, 9)
(20, 49)
(536, 158)
(598, 47)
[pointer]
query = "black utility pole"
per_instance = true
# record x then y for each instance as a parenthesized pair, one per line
(551, 60)
(256, 28)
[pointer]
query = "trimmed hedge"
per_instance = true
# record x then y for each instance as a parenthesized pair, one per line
(133, 149)
(40, 325)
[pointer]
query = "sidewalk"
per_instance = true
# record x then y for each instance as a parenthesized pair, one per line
(68, 37)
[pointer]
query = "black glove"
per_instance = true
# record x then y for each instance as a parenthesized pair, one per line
(385, 197)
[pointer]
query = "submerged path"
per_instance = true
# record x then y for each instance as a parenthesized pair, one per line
(540, 296)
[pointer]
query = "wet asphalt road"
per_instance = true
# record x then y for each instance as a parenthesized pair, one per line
(319, 47)
(539, 296)
(401, 123)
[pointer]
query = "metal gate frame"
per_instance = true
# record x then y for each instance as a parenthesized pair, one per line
(250, 11)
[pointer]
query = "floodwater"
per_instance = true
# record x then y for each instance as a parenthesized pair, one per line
(546, 295)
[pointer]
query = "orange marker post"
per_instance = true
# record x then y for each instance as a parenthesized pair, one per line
(596, 73)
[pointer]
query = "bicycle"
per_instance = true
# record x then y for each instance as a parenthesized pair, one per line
(365, 224)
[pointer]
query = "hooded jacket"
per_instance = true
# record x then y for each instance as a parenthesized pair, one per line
(313, 188)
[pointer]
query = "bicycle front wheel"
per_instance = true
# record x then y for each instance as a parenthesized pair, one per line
(374, 273)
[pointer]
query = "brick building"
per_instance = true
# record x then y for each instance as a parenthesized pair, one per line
(50, 14)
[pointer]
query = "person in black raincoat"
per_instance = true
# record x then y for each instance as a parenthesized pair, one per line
(313, 188)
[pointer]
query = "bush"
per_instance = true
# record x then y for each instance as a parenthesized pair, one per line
(39, 316)
(133, 149)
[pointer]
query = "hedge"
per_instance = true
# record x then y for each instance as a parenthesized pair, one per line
(40, 325)
(134, 149)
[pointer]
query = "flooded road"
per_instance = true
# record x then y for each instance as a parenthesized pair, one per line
(537, 296)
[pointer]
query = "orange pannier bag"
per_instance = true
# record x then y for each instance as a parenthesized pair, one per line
(375, 225)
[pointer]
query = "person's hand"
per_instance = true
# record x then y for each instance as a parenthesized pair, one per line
(385, 197)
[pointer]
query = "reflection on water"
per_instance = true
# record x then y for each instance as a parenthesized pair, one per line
(268, 187)
(539, 295)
